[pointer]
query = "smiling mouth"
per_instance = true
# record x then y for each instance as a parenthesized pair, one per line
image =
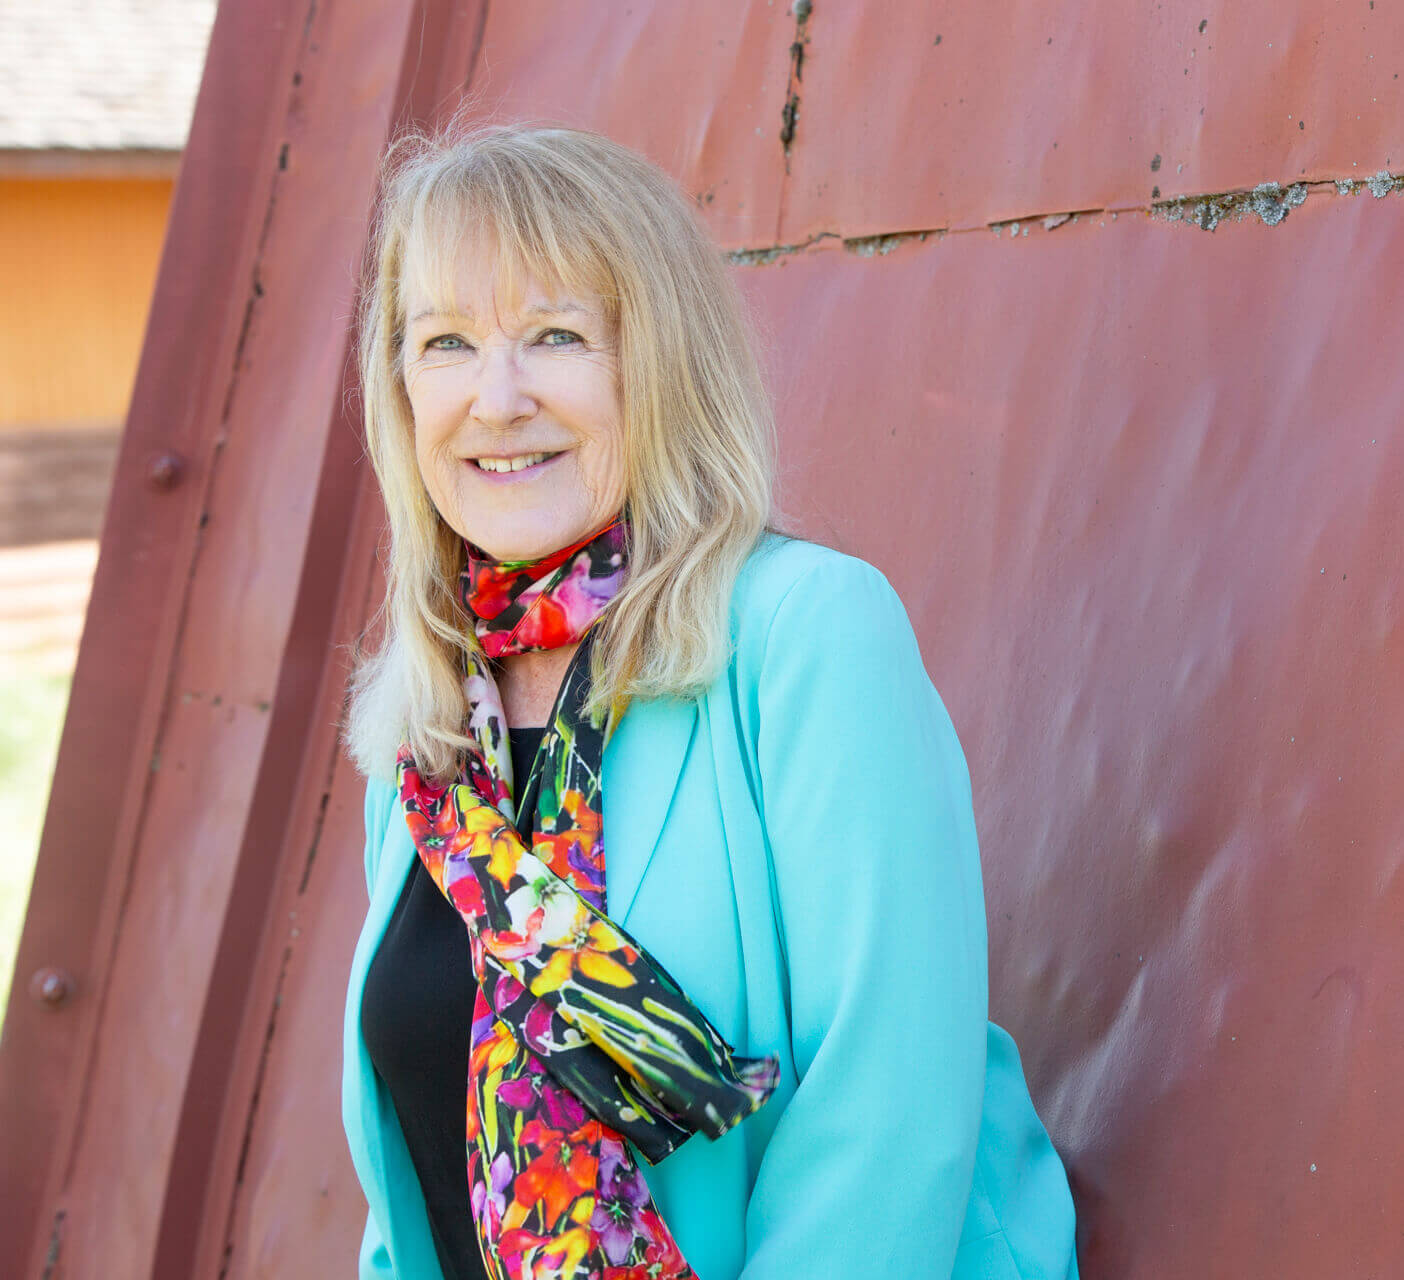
(522, 462)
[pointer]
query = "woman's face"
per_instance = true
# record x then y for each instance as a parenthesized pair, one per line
(517, 419)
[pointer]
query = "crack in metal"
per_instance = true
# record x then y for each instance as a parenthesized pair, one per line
(51, 1255)
(789, 113)
(256, 288)
(880, 246)
(1270, 202)
(316, 840)
(771, 253)
(269, 1031)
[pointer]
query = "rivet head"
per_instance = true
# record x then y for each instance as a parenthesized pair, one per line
(51, 987)
(165, 470)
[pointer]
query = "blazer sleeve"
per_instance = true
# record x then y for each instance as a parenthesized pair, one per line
(373, 1262)
(380, 798)
(866, 804)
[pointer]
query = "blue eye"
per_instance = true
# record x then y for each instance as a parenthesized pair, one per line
(438, 344)
(565, 334)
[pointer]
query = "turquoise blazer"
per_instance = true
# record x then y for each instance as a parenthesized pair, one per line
(797, 848)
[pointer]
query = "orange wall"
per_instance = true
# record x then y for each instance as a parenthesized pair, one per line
(78, 259)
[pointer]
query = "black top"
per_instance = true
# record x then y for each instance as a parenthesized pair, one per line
(416, 1014)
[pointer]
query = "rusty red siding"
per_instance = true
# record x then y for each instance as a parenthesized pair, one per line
(1082, 326)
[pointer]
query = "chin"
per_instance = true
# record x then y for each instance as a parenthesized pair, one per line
(519, 544)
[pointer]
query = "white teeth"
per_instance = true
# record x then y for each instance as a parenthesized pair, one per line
(511, 464)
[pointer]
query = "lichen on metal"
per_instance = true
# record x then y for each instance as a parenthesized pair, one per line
(881, 246)
(1383, 182)
(770, 253)
(1272, 204)
(1268, 201)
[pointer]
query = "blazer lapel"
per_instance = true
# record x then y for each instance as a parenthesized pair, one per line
(642, 764)
(366, 1109)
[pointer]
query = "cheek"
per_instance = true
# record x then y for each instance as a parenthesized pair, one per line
(421, 412)
(423, 456)
(605, 484)
(433, 423)
(604, 462)
(608, 414)
(438, 469)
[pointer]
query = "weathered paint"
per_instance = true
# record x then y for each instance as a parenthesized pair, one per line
(1138, 487)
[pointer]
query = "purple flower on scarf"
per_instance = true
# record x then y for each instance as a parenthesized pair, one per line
(583, 596)
(537, 1028)
(492, 1191)
(560, 1108)
(481, 1027)
(591, 869)
(519, 1094)
(506, 990)
(618, 1216)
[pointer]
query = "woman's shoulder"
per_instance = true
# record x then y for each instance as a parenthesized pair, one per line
(779, 563)
(812, 592)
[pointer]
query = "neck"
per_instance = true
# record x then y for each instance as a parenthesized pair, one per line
(528, 684)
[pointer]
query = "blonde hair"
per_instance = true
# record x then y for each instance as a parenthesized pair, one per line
(575, 208)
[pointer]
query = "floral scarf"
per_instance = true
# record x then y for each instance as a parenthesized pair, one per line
(580, 1039)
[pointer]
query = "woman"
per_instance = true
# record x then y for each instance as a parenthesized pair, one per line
(675, 901)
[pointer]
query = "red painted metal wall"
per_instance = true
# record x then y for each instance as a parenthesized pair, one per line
(1083, 323)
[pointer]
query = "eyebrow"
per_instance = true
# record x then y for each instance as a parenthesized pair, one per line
(540, 309)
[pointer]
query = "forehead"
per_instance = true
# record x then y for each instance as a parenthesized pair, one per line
(474, 272)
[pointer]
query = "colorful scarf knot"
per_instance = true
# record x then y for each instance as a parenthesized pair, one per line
(580, 1038)
(518, 606)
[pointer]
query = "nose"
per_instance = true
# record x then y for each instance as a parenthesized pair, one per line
(501, 398)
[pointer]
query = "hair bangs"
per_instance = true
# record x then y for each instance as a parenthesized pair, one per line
(532, 232)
